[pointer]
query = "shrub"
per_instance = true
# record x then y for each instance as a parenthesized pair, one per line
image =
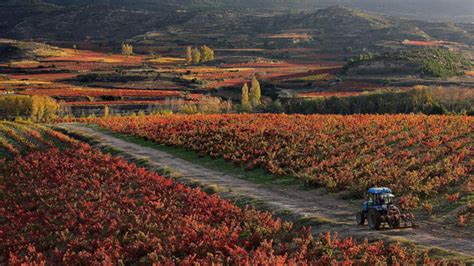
(207, 105)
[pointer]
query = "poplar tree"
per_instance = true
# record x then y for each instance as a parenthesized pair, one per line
(211, 54)
(127, 49)
(255, 92)
(196, 56)
(106, 111)
(189, 54)
(245, 98)
(207, 53)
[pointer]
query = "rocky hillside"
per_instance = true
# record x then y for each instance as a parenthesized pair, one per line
(432, 62)
(18, 50)
(458, 10)
(14, 12)
(333, 29)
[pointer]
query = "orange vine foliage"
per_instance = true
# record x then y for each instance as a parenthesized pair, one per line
(412, 154)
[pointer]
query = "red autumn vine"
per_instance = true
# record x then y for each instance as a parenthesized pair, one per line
(82, 207)
(413, 154)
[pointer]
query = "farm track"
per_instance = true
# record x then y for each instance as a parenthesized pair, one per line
(300, 202)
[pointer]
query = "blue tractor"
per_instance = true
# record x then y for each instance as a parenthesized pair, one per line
(378, 209)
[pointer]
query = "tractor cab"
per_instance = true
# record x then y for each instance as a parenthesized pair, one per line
(378, 198)
(378, 209)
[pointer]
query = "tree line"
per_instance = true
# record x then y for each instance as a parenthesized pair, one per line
(36, 108)
(199, 55)
(417, 100)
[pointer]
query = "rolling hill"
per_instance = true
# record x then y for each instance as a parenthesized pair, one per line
(335, 28)
(438, 10)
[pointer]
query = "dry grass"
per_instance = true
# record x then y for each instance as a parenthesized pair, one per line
(22, 82)
(50, 52)
(317, 77)
(44, 77)
(425, 43)
(167, 60)
(96, 92)
(90, 56)
(24, 64)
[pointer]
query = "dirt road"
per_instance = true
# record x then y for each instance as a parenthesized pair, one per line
(338, 214)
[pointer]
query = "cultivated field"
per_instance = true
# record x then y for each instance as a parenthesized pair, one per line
(83, 79)
(203, 132)
(18, 138)
(55, 210)
(419, 157)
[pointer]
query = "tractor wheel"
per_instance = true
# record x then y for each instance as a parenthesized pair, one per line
(395, 223)
(360, 218)
(375, 219)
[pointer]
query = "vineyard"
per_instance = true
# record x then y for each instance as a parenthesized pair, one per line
(88, 80)
(413, 154)
(82, 92)
(83, 78)
(54, 210)
(204, 132)
(18, 138)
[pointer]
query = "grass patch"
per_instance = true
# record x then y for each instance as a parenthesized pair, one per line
(112, 151)
(212, 189)
(314, 221)
(316, 77)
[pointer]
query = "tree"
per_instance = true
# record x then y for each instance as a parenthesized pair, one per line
(106, 111)
(127, 49)
(206, 105)
(189, 54)
(207, 53)
(196, 56)
(211, 54)
(255, 92)
(211, 105)
(244, 102)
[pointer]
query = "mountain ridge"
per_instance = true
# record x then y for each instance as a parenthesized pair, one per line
(439, 10)
(334, 27)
